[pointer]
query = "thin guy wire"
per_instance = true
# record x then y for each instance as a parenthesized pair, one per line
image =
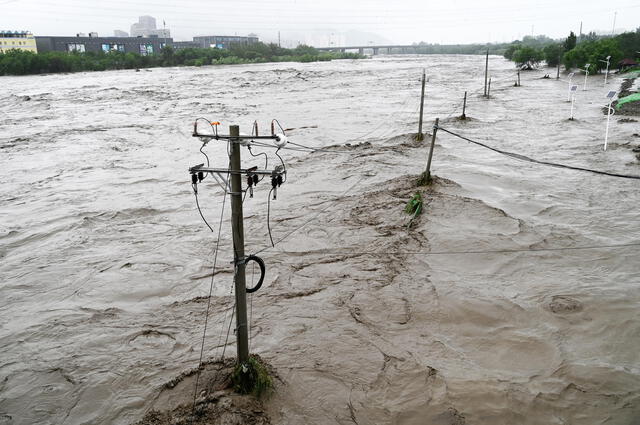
(213, 275)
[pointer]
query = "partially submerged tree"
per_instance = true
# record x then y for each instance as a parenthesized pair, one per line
(553, 54)
(527, 57)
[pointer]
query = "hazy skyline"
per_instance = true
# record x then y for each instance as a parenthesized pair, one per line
(402, 21)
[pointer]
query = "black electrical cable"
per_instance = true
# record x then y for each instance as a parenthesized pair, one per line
(214, 128)
(278, 122)
(260, 264)
(536, 161)
(284, 167)
(266, 159)
(195, 192)
(268, 216)
(205, 155)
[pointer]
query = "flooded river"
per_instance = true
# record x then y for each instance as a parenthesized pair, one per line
(477, 314)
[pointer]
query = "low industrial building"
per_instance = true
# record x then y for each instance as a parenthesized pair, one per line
(140, 45)
(222, 41)
(185, 45)
(21, 40)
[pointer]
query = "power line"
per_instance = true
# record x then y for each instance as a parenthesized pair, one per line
(537, 161)
(463, 252)
(330, 204)
(213, 275)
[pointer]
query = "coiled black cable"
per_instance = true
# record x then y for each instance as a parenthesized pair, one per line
(260, 263)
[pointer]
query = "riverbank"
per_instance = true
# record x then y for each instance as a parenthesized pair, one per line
(19, 62)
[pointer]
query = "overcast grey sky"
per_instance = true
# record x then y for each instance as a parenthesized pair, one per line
(399, 21)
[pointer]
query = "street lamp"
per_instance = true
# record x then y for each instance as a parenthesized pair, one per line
(572, 91)
(586, 74)
(606, 74)
(570, 77)
(610, 96)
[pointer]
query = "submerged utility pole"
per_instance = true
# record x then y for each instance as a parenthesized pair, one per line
(420, 135)
(464, 107)
(237, 227)
(486, 73)
(426, 176)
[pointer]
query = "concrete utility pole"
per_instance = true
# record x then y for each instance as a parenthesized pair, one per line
(420, 135)
(237, 227)
(464, 107)
(427, 172)
(486, 73)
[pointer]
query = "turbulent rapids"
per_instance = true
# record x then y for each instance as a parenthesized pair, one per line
(476, 314)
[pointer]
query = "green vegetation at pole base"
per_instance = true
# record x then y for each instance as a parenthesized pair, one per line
(252, 377)
(21, 62)
(414, 206)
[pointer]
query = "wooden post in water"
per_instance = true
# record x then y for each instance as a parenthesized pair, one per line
(558, 73)
(237, 227)
(489, 90)
(518, 78)
(420, 135)
(464, 107)
(426, 176)
(486, 73)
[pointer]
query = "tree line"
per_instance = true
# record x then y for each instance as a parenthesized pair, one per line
(21, 62)
(576, 53)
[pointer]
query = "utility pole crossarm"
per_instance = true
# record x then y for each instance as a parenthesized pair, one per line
(230, 137)
(241, 171)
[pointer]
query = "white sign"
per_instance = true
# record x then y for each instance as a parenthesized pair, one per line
(571, 75)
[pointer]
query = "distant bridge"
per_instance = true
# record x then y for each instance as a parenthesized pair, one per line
(375, 49)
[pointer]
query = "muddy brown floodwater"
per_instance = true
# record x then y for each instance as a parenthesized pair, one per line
(463, 319)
